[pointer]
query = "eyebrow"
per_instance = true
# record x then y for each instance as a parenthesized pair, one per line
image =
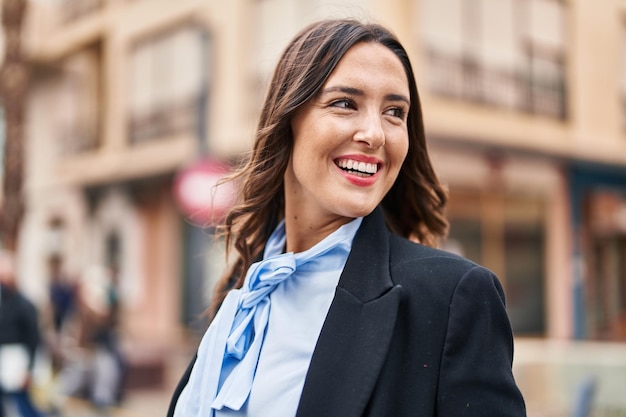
(357, 92)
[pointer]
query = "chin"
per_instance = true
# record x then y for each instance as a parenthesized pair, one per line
(359, 212)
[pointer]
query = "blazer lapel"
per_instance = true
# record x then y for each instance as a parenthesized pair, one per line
(354, 340)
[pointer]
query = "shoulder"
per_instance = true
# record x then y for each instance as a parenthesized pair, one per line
(415, 264)
(407, 254)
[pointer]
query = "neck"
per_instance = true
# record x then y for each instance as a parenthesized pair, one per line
(303, 232)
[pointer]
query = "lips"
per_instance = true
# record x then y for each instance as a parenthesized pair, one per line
(359, 168)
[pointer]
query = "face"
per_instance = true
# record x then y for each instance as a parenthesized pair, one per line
(350, 140)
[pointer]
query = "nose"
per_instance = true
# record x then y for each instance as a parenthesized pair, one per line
(370, 130)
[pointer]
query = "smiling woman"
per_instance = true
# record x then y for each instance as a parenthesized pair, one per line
(330, 307)
(349, 143)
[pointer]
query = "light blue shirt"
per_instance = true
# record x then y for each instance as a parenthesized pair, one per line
(254, 357)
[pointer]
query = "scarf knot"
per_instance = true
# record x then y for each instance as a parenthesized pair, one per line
(261, 280)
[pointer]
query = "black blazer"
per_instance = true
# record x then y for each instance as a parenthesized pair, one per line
(412, 331)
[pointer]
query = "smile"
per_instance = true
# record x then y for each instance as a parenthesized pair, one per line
(361, 169)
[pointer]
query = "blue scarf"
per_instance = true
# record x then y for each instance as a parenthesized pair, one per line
(228, 354)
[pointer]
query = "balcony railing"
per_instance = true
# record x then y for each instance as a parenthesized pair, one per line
(163, 122)
(75, 9)
(538, 92)
(78, 139)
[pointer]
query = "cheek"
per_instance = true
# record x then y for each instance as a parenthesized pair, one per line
(311, 146)
(302, 131)
(400, 151)
(405, 149)
(399, 155)
(300, 154)
(304, 161)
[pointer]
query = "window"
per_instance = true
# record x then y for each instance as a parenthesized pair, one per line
(168, 84)
(507, 53)
(77, 105)
(524, 247)
(605, 249)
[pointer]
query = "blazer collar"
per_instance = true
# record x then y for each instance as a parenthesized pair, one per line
(355, 337)
(366, 273)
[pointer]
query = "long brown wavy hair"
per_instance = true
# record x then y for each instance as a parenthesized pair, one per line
(413, 206)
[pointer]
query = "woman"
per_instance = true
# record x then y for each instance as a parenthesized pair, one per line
(342, 314)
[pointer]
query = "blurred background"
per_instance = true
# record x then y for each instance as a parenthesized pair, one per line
(118, 117)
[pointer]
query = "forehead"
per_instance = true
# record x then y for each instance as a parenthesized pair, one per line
(371, 63)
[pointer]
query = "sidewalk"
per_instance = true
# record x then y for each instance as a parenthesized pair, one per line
(551, 373)
(137, 402)
(148, 403)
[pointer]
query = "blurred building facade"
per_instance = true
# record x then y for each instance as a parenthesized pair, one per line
(526, 128)
(533, 153)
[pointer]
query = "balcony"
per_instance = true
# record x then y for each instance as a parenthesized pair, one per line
(538, 89)
(181, 117)
(78, 139)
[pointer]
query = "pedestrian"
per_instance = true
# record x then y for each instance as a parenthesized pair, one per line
(19, 339)
(110, 362)
(97, 368)
(62, 302)
(336, 303)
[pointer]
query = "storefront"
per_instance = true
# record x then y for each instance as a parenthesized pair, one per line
(598, 207)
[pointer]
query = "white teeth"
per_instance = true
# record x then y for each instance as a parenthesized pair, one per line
(362, 167)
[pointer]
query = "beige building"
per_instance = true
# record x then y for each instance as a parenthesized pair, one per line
(524, 110)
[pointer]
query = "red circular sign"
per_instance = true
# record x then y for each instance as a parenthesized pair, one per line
(198, 193)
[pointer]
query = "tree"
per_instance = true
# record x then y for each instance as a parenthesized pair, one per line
(13, 86)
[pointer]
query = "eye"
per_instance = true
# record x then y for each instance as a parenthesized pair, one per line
(398, 112)
(343, 103)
